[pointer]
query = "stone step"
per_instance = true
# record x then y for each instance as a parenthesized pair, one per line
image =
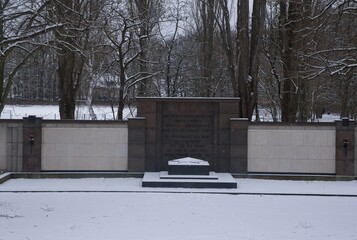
(153, 179)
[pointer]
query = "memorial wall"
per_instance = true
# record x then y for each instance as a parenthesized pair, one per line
(185, 127)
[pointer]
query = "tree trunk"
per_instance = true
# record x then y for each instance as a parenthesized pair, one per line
(345, 88)
(66, 56)
(206, 35)
(258, 17)
(227, 44)
(122, 79)
(121, 104)
(67, 91)
(289, 101)
(143, 7)
(90, 86)
(243, 58)
(3, 95)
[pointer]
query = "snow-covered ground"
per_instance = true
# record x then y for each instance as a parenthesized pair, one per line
(124, 210)
(52, 112)
(102, 113)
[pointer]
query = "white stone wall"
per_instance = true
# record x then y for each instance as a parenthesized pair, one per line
(98, 147)
(356, 151)
(291, 149)
(11, 145)
(3, 156)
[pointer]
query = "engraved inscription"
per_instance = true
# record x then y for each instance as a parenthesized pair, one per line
(187, 135)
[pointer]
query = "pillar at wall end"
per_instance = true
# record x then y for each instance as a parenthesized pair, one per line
(32, 143)
(345, 147)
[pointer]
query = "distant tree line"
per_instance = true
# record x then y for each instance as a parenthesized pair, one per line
(293, 58)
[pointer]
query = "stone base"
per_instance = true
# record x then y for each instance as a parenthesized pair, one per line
(209, 176)
(188, 166)
(213, 180)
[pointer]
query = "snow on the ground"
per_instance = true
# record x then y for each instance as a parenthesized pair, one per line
(52, 112)
(134, 184)
(102, 113)
(174, 216)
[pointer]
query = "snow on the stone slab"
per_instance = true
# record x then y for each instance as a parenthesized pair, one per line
(174, 216)
(188, 161)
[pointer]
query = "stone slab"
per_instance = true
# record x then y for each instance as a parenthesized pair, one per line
(210, 176)
(188, 166)
(152, 179)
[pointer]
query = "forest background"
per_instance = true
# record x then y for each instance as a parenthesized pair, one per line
(297, 59)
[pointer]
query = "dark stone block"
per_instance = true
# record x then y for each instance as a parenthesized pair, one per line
(32, 147)
(345, 147)
(224, 121)
(239, 166)
(150, 120)
(151, 137)
(345, 168)
(32, 119)
(231, 108)
(136, 123)
(146, 107)
(188, 166)
(150, 150)
(237, 123)
(188, 170)
(136, 164)
(239, 159)
(239, 152)
(224, 165)
(224, 136)
(224, 151)
(136, 150)
(150, 164)
(345, 125)
(136, 135)
(239, 136)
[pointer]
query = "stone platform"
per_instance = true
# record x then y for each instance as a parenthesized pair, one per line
(188, 173)
(164, 180)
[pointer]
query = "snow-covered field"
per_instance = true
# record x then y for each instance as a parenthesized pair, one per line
(51, 112)
(122, 209)
(102, 113)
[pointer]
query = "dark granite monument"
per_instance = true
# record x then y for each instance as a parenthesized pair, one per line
(174, 128)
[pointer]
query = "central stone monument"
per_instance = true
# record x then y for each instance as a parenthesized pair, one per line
(175, 128)
(188, 173)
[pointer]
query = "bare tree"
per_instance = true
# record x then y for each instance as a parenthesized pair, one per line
(172, 49)
(244, 79)
(337, 56)
(205, 19)
(147, 12)
(227, 42)
(248, 51)
(20, 23)
(71, 42)
(120, 26)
